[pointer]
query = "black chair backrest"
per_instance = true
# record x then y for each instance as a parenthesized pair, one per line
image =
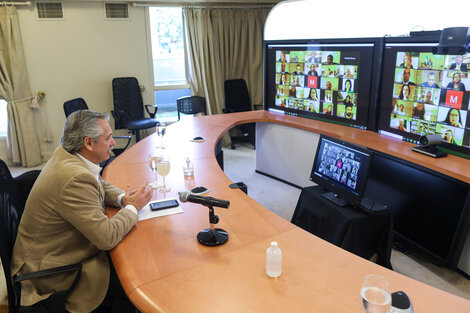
(191, 105)
(128, 103)
(237, 98)
(11, 207)
(74, 105)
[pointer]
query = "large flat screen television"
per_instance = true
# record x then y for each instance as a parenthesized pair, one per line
(430, 210)
(342, 169)
(422, 93)
(330, 80)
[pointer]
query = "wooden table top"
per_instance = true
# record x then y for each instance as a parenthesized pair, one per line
(163, 268)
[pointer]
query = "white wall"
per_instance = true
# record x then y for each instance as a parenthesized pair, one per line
(79, 56)
(308, 19)
(286, 152)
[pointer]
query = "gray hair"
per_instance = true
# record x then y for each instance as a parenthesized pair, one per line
(81, 124)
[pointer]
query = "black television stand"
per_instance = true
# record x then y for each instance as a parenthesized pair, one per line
(367, 205)
(371, 207)
(345, 226)
(336, 199)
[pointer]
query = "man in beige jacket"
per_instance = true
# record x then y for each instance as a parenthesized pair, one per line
(64, 221)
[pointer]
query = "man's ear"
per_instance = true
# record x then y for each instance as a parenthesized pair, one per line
(88, 143)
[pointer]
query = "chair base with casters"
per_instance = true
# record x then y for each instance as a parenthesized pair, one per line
(244, 133)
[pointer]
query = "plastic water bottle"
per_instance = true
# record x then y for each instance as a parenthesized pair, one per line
(188, 168)
(273, 260)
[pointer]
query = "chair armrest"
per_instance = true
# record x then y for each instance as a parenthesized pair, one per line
(151, 114)
(118, 151)
(48, 272)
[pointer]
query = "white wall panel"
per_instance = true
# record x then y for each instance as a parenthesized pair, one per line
(285, 152)
(302, 19)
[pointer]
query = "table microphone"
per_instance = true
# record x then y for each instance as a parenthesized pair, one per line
(206, 201)
(210, 236)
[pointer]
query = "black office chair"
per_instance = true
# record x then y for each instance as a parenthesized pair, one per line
(12, 202)
(191, 105)
(77, 104)
(237, 99)
(129, 107)
(73, 105)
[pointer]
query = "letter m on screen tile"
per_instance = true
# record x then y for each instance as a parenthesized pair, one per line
(454, 99)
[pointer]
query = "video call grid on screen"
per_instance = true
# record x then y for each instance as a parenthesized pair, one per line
(340, 164)
(426, 94)
(321, 80)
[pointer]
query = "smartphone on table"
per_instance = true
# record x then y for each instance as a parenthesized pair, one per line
(165, 204)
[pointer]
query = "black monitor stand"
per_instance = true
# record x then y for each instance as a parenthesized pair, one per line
(336, 199)
(367, 205)
(432, 151)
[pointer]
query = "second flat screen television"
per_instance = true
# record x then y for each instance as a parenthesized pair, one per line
(422, 93)
(328, 80)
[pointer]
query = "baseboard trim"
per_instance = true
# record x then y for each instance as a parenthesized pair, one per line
(279, 179)
(464, 274)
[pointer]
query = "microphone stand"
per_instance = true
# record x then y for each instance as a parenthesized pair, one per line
(212, 236)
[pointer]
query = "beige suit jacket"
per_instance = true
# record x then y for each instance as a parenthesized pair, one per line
(64, 223)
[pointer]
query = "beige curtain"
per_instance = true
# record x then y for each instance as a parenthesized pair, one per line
(23, 142)
(225, 44)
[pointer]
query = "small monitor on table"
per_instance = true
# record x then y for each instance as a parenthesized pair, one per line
(342, 169)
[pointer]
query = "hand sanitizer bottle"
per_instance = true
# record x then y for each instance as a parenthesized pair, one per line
(273, 260)
(188, 168)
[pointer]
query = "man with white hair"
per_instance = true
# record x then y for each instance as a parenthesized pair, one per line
(64, 220)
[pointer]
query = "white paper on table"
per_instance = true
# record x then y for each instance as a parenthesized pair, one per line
(147, 213)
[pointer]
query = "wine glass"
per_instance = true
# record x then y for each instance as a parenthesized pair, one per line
(153, 160)
(375, 294)
(161, 131)
(163, 168)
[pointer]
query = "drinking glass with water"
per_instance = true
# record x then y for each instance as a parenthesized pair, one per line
(161, 131)
(375, 294)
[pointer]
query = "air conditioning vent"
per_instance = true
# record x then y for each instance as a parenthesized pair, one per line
(116, 10)
(50, 10)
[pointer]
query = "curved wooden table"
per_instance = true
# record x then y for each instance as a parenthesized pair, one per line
(163, 268)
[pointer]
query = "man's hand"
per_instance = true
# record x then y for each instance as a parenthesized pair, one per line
(138, 197)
